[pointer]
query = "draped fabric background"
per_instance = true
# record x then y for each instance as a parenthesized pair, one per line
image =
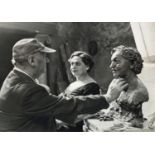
(95, 38)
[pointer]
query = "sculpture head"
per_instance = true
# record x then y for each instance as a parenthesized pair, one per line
(125, 60)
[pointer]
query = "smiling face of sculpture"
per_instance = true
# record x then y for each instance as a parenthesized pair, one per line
(119, 65)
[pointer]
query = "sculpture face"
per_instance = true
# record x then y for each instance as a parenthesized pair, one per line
(119, 65)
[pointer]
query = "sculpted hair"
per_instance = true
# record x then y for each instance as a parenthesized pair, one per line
(132, 55)
(85, 57)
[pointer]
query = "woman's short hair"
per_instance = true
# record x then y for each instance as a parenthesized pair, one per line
(85, 57)
(132, 55)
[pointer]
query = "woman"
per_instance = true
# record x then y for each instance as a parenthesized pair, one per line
(81, 64)
(126, 62)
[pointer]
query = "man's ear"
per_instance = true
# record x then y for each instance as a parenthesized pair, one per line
(31, 60)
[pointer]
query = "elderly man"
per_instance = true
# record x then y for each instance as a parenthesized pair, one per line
(27, 106)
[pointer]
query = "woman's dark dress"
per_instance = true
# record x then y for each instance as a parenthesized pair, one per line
(88, 89)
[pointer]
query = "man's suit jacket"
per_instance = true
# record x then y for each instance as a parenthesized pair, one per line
(27, 106)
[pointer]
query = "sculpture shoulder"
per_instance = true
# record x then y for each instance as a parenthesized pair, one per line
(139, 94)
(142, 90)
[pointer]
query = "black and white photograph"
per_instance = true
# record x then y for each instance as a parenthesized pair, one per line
(77, 76)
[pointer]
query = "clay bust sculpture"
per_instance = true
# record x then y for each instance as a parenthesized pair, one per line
(125, 113)
(126, 62)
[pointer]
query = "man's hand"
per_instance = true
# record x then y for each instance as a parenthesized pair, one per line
(115, 88)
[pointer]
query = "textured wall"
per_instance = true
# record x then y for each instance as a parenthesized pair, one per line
(106, 35)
